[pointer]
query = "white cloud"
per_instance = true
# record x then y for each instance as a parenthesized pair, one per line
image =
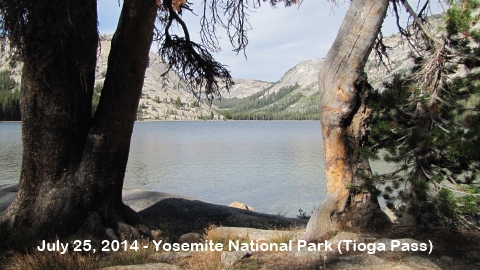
(280, 38)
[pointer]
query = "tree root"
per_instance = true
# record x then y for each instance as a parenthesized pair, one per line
(363, 214)
(129, 227)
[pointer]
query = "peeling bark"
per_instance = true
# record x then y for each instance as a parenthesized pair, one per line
(73, 165)
(344, 89)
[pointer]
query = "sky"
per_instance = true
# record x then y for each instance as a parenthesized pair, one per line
(280, 37)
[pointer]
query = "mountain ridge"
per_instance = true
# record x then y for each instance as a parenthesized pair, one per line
(304, 79)
(294, 96)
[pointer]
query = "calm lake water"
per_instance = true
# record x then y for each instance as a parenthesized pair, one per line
(273, 166)
(276, 167)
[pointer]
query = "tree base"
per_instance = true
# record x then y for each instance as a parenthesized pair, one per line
(130, 227)
(122, 224)
(362, 214)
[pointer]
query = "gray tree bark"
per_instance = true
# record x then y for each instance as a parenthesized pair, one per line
(343, 92)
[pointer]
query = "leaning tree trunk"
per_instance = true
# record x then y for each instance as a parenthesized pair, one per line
(343, 89)
(74, 165)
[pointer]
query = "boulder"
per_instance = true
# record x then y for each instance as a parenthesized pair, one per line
(6, 198)
(7, 195)
(258, 234)
(388, 243)
(229, 258)
(9, 188)
(190, 238)
(240, 205)
(369, 261)
(417, 262)
(183, 214)
(166, 257)
(363, 261)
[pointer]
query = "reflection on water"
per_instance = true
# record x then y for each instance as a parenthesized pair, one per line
(276, 167)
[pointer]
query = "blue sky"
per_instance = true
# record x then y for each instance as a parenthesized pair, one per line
(280, 37)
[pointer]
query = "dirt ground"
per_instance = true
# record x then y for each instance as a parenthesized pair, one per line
(451, 250)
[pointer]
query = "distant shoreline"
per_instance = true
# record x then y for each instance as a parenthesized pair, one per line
(156, 120)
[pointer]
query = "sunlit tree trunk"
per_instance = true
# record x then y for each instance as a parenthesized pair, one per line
(343, 92)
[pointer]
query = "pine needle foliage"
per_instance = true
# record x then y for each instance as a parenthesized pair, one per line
(9, 97)
(431, 132)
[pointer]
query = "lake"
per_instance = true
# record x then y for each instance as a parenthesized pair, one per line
(274, 166)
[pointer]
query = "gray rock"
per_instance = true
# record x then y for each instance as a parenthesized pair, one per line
(241, 205)
(173, 87)
(148, 266)
(388, 243)
(9, 188)
(417, 262)
(127, 232)
(139, 199)
(7, 195)
(188, 214)
(363, 261)
(6, 198)
(446, 258)
(229, 258)
(304, 253)
(258, 234)
(190, 238)
(369, 261)
(304, 73)
(169, 256)
(181, 212)
(246, 87)
(157, 234)
(111, 234)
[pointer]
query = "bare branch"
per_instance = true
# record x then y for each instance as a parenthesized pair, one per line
(192, 61)
(381, 52)
(419, 22)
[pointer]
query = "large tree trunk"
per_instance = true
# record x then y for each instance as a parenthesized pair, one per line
(344, 89)
(73, 166)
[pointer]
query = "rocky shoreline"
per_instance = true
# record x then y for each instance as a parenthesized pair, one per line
(183, 213)
(189, 217)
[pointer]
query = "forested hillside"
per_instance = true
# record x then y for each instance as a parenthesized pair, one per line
(295, 96)
(162, 98)
(284, 104)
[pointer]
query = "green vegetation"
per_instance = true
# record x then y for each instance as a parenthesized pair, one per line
(195, 104)
(9, 97)
(178, 103)
(303, 215)
(97, 92)
(431, 131)
(280, 105)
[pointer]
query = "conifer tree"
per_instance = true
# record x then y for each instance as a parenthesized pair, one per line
(426, 122)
